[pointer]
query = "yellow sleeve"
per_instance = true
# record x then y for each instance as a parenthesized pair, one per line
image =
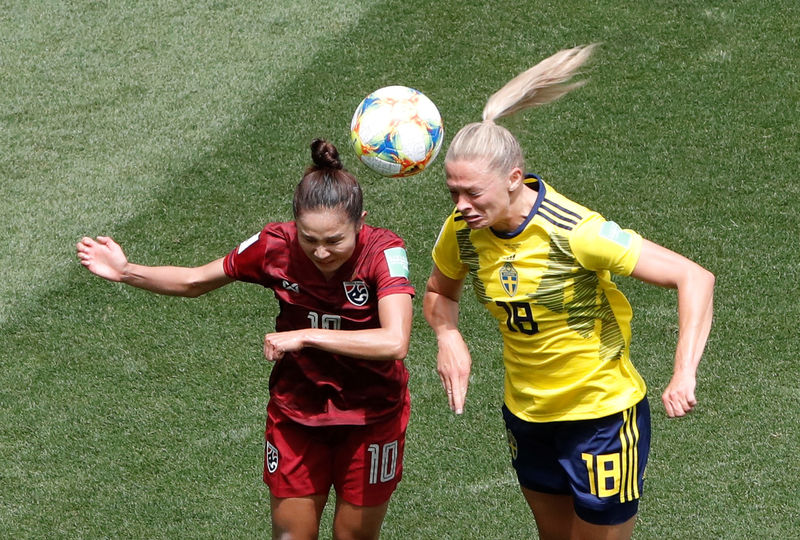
(602, 245)
(446, 254)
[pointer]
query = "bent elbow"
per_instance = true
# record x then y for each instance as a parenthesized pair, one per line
(398, 351)
(708, 278)
(192, 293)
(194, 289)
(401, 352)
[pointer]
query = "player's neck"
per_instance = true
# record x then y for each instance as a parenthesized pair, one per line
(519, 209)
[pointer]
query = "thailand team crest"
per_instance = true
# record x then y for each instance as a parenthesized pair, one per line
(509, 279)
(272, 458)
(357, 292)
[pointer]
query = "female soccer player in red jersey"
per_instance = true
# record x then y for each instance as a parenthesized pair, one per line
(339, 401)
(575, 408)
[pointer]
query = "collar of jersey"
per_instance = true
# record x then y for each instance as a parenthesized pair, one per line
(533, 182)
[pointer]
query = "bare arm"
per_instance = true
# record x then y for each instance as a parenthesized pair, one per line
(388, 342)
(453, 361)
(695, 285)
(105, 258)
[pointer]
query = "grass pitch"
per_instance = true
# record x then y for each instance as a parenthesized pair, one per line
(180, 128)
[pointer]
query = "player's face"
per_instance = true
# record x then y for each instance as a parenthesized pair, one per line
(481, 195)
(328, 237)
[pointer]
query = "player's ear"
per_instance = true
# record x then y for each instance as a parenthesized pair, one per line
(515, 179)
(361, 221)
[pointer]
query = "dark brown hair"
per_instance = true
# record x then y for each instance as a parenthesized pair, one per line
(327, 184)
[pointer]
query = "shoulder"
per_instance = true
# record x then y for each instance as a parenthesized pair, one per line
(559, 210)
(384, 253)
(273, 242)
(277, 236)
(378, 238)
(599, 244)
(286, 230)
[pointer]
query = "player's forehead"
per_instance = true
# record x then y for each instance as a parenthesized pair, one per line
(324, 224)
(465, 174)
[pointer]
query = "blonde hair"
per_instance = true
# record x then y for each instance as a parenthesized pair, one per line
(545, 82)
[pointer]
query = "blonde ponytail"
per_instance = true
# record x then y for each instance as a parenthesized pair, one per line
(545, 82)
(541, 84)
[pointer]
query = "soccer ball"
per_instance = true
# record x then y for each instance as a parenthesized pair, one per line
(397, 131)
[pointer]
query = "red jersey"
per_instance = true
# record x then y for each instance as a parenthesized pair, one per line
(311, 386)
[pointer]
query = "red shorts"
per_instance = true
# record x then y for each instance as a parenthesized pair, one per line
(363, 463)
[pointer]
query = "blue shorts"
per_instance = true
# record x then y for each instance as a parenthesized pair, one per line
(599, 462)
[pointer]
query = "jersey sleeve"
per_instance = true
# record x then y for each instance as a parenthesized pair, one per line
(446, 254)
(390, 266)
(247, 262)
(603, 245)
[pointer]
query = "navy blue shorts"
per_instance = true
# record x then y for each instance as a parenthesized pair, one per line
(600, 462)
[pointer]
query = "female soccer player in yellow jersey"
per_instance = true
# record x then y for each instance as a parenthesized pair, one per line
(575, 408)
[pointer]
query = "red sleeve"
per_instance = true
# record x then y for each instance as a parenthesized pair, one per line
(389, 264)
(252, 260)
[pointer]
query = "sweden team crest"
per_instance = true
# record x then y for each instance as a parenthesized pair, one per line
(509, 279)
(272, 458)
(357, 292)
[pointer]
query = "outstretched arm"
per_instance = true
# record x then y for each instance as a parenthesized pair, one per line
(388, 342)
(453, 361)
(695, 284)
(105, 258)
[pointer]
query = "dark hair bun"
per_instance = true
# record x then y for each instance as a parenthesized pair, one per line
(325, 155)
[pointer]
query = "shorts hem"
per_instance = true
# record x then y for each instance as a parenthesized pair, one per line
(367, 503)
(605, 517)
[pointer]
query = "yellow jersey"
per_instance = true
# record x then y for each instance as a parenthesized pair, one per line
(565, 325)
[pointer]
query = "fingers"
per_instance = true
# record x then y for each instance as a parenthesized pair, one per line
(88, 242)
(84, 244)
(271, 351)
(84, 250)
(451, 401)
(458, 397)
(678, 404)
(108, 243)
(456, 391)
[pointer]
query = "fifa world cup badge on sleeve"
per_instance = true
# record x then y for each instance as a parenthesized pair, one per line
(397, 261)
(613, 233)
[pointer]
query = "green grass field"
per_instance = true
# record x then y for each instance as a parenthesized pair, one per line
(180, 128)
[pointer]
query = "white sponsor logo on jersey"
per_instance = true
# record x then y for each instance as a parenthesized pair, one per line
(294, 287)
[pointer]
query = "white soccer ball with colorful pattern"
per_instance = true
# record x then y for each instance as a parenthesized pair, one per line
(397, 131)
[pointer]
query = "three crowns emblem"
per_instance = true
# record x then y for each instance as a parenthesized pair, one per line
(509, 279)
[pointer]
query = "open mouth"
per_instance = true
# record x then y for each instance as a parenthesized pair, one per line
(472, 219)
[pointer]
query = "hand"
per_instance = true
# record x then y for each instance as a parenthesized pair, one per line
(679, 397)
(277, 344)
(102, 257)
(454, 363)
